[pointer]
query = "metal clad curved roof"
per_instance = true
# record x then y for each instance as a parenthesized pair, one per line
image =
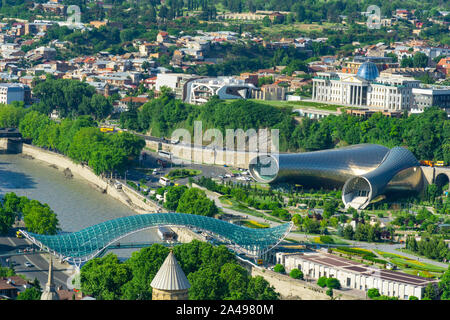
(89, 242)
(333, 165)
(396, 160)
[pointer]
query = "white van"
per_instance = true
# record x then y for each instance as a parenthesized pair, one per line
(164, 181)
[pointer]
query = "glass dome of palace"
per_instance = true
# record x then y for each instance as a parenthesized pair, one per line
(368, 71)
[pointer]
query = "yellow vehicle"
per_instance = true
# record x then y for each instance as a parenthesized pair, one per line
(260, 261)
(439, 163)
(18, 234)
(106, 129)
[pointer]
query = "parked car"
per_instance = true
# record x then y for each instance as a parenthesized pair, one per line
(28, 265)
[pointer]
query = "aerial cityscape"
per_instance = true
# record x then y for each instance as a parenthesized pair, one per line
(224, 150)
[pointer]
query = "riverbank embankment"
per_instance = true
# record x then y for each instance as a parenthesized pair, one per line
(126, 195)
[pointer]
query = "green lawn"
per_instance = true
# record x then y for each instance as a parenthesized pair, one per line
(334, 240)
(255, 224)
(182, 173)
(406, 263)
(299, 104)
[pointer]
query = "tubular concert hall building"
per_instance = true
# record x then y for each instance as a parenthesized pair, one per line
(364, 171)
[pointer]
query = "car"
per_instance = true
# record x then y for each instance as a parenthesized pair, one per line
(28, 265)
(228, 175)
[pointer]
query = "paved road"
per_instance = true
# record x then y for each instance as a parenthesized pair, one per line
(40, 264)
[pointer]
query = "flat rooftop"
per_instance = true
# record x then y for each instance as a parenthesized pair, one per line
(330, 260)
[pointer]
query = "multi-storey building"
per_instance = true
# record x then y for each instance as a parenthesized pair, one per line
(199, 91)
(365, 89)
(354, 275)
(428, 97)
(10, 92)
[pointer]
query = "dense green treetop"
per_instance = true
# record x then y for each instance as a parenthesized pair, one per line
(212, 272)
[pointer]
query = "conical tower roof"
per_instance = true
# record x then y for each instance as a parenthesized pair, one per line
(170, 276)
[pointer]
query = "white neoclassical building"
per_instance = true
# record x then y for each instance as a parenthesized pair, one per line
(366, 89)
(355, 275)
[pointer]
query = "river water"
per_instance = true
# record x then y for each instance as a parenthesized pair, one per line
(76, 203)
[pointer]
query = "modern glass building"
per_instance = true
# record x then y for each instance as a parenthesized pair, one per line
(363, 171)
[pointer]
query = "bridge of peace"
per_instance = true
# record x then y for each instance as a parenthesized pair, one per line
(84, 245)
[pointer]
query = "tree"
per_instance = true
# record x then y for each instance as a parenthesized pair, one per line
(444, 285)
(322, 282)
(195, 201)
(333, 283)
(329, 208)
(40, 218)
(373, 293)
(296, 274)
(266, 21)
(30, 294)
(329, 293)
(7, 219)
(236, 278)
(348, 232)
(103, 278)
(430, 292)
(206, 285)
(407, 62)
(279, 268)
(144, 265)
(173, 195)
(100, 106)
(420, 60)
(311, 225)
(260, 289)
(297, 220)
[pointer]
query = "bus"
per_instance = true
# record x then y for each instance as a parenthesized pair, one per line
(164, 181)
(427, 163)
(166, 234)
(106, 129)
(165, 154)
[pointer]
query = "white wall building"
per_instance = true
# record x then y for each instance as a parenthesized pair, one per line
(201, 90)
(365, 89)
(175, 81)
(355, 275)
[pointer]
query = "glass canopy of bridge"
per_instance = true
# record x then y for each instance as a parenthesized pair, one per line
(81, 246)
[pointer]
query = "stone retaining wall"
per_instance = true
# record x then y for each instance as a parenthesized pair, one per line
(293, 289)
(127, 196)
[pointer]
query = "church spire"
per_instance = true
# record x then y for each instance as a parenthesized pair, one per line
(50, 292)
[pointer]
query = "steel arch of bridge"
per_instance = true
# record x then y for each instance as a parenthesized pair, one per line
(81, 246)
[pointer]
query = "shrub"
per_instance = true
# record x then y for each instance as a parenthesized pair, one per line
(330, 293)
(322, 282)
(326, 239)
(413, 298)
(333, 283)
(296, 274)
(279, 268)
(373, 293)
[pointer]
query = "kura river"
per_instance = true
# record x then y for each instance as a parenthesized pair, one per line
(76, 203)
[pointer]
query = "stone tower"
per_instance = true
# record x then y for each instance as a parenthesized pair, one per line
(170, 283)
(50, 292)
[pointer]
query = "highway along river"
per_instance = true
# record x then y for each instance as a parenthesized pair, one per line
(76, 203)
